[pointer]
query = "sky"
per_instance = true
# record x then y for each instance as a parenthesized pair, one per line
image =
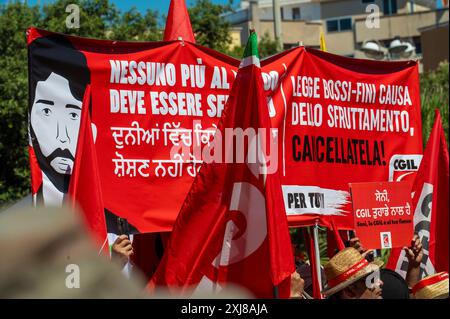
(142, 5)
(161, 5)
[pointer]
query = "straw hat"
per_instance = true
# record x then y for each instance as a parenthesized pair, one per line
(432, 287)
(345, 268)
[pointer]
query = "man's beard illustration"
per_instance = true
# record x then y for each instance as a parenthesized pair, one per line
(59, 180)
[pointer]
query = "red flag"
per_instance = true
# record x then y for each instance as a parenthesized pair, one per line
(232, 227)
(334, 240)
(84, 188)
(178, 23)
(431, 207)
(36, 173)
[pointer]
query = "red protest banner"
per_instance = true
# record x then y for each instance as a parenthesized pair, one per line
(339, 120)
(383, 215)
(148, 99)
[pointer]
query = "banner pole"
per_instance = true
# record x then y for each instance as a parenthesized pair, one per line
(316, 248)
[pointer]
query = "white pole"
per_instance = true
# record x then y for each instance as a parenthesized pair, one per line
(277, 21)
(316, 248)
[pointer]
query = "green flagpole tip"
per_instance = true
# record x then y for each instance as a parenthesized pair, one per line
(251, 49)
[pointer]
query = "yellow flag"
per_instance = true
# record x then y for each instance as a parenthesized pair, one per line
(323, 46)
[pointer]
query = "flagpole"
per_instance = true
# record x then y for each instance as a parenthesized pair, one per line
(277, 22)
(317, 253)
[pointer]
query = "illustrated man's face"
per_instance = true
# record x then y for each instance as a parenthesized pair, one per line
(55, 119)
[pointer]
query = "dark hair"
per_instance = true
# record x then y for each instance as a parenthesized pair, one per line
(47, 55)
(56, 54)
(394, 286)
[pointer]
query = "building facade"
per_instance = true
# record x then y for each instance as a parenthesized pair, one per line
(347, 24)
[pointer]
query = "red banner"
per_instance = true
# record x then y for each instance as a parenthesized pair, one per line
(383, 214)
(148, 99)
(340, 120)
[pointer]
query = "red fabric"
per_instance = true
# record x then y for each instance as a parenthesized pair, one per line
(165, 237)
(84, 188)
(228, 203)
(431, 218)
(334, 240)
(310, 150)
(178, 23)
(36, 173)
(289, 77)
(331, 243)
(145, 255)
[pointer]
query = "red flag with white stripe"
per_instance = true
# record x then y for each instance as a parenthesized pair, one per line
(232, 227)
(431, 203)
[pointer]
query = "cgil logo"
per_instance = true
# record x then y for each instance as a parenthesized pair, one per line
(403, 166)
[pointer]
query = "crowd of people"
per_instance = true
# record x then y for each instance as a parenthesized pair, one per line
(351, 273)
(40, 242)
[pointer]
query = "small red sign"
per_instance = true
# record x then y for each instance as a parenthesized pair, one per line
(383, 214)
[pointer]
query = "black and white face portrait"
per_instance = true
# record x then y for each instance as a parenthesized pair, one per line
(55, 118)
(58, 78)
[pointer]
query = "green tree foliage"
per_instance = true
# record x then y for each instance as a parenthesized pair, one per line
(134, 26)
(98, 19)
(301, 247)
(210, 29)
(101, 19)
(266, 47)
(434, 95)
(14, 168)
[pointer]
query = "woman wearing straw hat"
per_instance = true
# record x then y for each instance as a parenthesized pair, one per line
(348, 276)
(432, 287)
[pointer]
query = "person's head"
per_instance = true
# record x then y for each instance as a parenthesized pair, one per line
(432, 287)
(394, 286)
(351, 276)
(305, 272)
(58, 77)
(360, 290)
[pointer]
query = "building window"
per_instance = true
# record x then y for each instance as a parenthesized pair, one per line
(389, 7)
(345, 24)
(332, 26)
(295, 13)
(337, 25)
(418, 45)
